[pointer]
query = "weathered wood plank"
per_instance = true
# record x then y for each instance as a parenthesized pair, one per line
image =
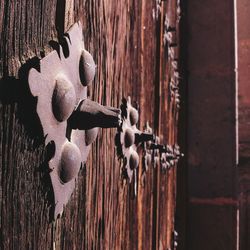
(103, 212)
(243, 10)
(211, 126)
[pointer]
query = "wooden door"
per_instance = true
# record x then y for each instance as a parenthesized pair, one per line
(126, 41)
(243, 41)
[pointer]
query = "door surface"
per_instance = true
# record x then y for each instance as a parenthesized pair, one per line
(126, 41)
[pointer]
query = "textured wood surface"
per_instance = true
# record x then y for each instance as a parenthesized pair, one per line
(211, 126)
(243, 11)
(103, 213)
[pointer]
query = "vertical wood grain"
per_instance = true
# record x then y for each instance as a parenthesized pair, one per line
(103, 212)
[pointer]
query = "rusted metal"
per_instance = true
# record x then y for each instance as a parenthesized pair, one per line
(128, 138)
(59, 89)
(90, 114)
(63, 106)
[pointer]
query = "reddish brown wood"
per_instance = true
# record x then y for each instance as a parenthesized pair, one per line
(103, 213)
(243, 10)
(211, 126)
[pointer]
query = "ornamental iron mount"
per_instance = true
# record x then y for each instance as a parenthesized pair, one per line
(69, 119)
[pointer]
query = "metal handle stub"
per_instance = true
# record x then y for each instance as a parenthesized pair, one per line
(90, 114)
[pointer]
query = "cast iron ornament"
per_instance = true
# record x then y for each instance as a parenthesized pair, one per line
(129, 137)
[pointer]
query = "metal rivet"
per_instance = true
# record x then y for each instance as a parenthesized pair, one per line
(63, 100)
(133, 116)
(90, 135)
(86, 68)
(129, 137)
(70, 162)
(133, 160)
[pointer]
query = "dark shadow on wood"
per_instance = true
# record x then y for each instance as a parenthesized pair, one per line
(64, 45)
(27, 103)
(15, 91)
(60, 17)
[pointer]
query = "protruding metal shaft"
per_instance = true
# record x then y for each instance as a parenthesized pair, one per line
(90, 114)
(144, 137)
